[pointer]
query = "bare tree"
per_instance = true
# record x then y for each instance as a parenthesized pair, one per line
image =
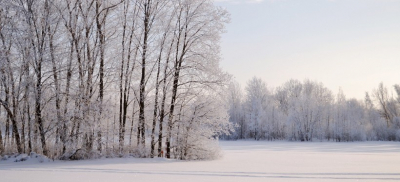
(381, 94)
(192, 33)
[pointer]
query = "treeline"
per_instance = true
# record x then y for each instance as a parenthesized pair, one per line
(90, 78)
(307, 111)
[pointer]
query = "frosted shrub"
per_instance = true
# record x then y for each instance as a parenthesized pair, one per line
(203, 150)
(140, 152)
(205, 119)
(21, 158)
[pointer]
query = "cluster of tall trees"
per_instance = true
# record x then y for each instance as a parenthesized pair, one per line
(89, 78)
(306, 111)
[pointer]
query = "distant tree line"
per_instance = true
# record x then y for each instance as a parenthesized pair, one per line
(90, 78)
(308, 111)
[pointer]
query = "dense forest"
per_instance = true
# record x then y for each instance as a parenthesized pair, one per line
(92, 78)
(308, 111)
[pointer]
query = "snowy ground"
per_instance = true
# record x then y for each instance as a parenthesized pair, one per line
(242, 161)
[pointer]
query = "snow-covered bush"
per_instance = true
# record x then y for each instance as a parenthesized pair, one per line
(5, 157)
(204, 120)
(140, 152)
(21, 158)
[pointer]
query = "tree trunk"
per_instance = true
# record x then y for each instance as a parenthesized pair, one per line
(143, 76)
(153, 143)
(14, 125)
(38, 108)
(153, 130)
(57, 87)
(171, 113)
(101, 38)
(1, 143)
(177, 68)
(133, 118)
(64, 135)
(162, 111)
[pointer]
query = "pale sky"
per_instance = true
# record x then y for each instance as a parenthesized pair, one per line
(348, 44)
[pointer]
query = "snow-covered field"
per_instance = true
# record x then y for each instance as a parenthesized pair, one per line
(241, 161)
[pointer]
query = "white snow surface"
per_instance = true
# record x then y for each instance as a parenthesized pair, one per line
(241, 161)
